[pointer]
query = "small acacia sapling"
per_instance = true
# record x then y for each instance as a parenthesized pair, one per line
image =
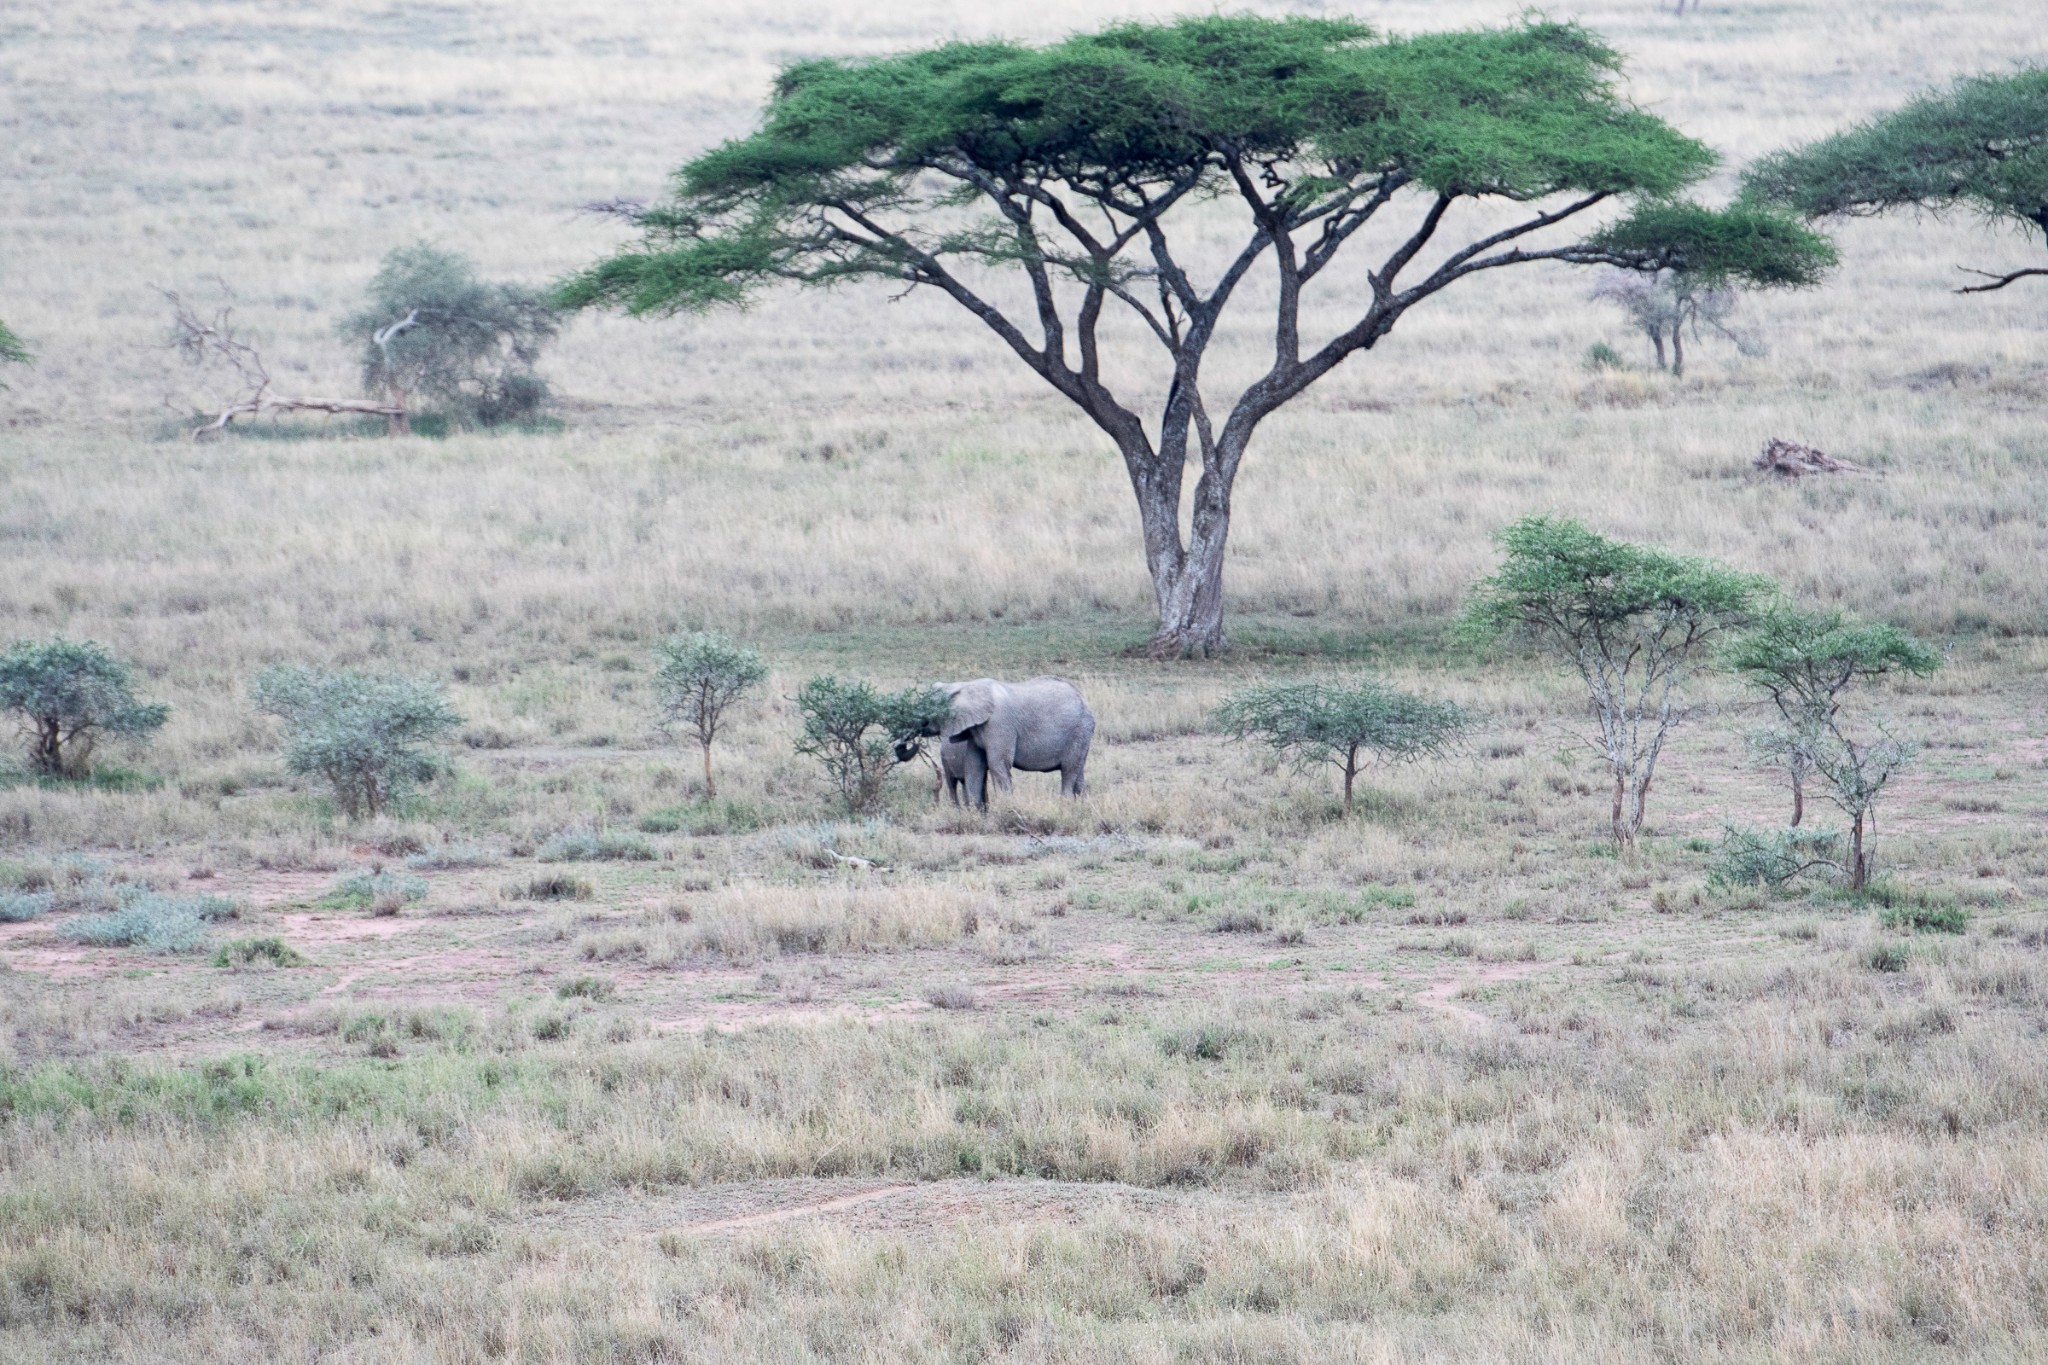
(67, 694)
(1632, 619)
(853, 731)
(1314, 724)
(701, 675)
(1855, 773)
(1805, 662)
(371, 736)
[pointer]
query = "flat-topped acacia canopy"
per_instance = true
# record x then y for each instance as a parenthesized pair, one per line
(1068, 163)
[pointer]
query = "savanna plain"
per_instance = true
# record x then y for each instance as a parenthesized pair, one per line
(1194, 1067)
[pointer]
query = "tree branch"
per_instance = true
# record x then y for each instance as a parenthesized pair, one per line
(1997, 281)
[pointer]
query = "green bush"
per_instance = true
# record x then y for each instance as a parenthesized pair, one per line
(435, 335)
(855, 732)
(583, 847)
(1772, 858)
(367, 889)
(248, 952)
(556, 886)
(369, 735)
(66, 695)
(1938, 918)
(708, 817)
(149, 919)
(17, 906)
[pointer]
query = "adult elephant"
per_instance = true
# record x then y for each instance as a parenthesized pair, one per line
(1041, 726)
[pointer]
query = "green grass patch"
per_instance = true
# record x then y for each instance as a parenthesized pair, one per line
(258, 952)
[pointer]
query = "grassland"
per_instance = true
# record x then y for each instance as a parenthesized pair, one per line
(1192, 1069)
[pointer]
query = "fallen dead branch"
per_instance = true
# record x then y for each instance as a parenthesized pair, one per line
(1790, 460)
(201, 340)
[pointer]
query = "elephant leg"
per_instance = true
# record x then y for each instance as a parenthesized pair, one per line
(974, 777)
(1073, 778)
(999, 769)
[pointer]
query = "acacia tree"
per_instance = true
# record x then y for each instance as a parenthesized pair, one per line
(1981, 146)
(13, 351)
(701, 675)
(66, 695)
(1631, 619)
(1316, 723)
(1664, 304)
(1804, 661)
(1080, 168)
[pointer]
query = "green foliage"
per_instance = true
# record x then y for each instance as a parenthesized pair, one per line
(250, 952)
(1926, 914)
(13, 351)
(1803, 660)
(555, 886)
(1755, 245)
(1772, 858)
(582, 846)
(705, 817)
(1601, 356)
(363, 889)
(17, 907)
(369, 735)
(1317, 723)
(149, 919)
(1981, 145)
(1139, 111)
(701, 674)
(1630, 618)
(68, 693)
(854, 731)
(432, 331)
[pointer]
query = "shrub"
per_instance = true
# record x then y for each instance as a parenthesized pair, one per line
(369, 735)
(701, 675)
(1772, 858)
(959, 997)
(1601, 356)
(1629, 618)
(582, 847)
(1663, 305)
(852, 730)
(1316, 723)
(434, 334)
(584, 988)
(1936, 916)
(452, 858)
(559, 886)
(708, 817)
(67, 694)
(17, 906)
(1888, 957)
(12, 349)
(248, 952)
(150, 919)
(369, 889)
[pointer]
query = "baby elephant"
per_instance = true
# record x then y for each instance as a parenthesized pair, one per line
(1040, 726)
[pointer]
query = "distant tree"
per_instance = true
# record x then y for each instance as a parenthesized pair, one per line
(67, 694)
(13, 351)
(1632, 619)
(1316, 724)
(701, 674)
(852, 730)
(1664, 304)
(1088, 171)
(433, 333)
(1856, 772)
(1982, 145)
(1805, 662)
(371, 736)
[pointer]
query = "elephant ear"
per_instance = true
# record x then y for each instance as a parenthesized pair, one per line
(973, 704)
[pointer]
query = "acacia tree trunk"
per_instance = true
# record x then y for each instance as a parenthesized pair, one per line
(1350, 776)
(46, 753)
(1859, 865)
(1798, 793)
(1678, 350)
(710, 789)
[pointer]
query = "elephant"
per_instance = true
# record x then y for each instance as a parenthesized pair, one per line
(1041, 725)
(962, 768)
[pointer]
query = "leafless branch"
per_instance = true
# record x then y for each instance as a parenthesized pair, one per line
(201, 340)
(1997, 281)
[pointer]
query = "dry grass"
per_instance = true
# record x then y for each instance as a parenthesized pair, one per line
(1459, 1086)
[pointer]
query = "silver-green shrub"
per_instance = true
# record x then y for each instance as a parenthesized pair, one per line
(68, 693)
(372, 736)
